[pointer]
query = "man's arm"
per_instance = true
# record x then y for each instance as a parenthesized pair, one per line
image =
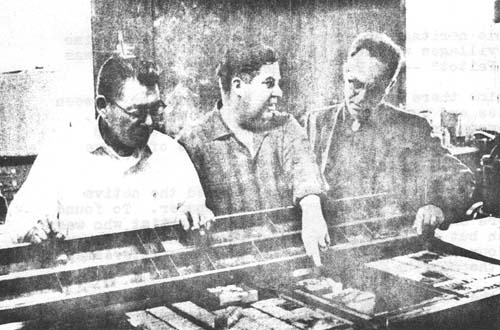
(450, 187)
(33, 214)
(314, 230)
(194, 208)
(302, 171)
(299, 162)
(446, 182)
(319, 126)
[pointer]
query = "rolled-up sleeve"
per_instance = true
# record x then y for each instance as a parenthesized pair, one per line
(299, 162)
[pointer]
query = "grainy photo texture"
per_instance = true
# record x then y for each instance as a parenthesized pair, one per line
(237, 164)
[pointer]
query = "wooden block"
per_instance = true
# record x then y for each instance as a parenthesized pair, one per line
(195, 312)
(172, 318)
(320, 285)
(302, 273)
(144, 320)
(231, 294)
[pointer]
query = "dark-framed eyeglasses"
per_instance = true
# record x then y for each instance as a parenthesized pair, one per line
(141, 111)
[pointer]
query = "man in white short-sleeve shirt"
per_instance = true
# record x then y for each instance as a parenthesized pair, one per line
(115, 176)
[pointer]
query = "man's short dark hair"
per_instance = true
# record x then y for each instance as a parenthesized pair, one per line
(382, 47)
(116, 70)
(243, 60)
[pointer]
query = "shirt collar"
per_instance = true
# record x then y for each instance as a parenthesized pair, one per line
(345, 117)
(95, 143)
(218, 128)
(347, 120)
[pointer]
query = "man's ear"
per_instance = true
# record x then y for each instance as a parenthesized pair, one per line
(236, 86)
(101, 105)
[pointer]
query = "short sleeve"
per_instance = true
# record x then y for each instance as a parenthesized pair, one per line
(299, 162)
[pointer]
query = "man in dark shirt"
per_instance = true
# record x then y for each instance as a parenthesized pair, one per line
(249, 155)
(368, 147)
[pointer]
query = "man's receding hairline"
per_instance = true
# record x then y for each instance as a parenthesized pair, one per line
(372, 57)
(385, 65)
(370, 54)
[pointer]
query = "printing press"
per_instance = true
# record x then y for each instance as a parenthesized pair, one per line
(249, 271)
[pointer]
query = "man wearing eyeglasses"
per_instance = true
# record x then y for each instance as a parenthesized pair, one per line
(368, 148)
(116, 176)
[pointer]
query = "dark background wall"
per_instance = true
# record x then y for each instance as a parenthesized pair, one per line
(186, 38)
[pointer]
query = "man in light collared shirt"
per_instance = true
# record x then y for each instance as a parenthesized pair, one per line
(117, 176)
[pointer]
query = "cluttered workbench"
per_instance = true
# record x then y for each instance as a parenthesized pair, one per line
(250, 270)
